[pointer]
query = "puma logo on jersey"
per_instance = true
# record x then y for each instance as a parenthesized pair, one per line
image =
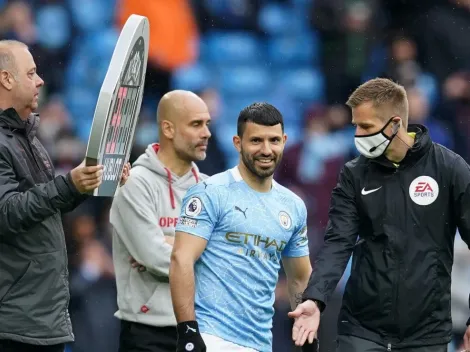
(241, 211)
(188, 328)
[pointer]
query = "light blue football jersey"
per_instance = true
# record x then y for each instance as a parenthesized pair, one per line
(247, 232)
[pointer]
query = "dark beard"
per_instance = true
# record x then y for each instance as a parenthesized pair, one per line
(259, 173)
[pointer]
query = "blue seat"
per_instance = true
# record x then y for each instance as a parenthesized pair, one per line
(77, 70)
(91, 58)
(226, 129)
(194, 77)
(276, 19)
(294, 134)
(245, 80)
(92, 15)
(81, 103)
(232, 105)
(56, 17)
(100, 45)
(289, 108)
(300, 49)
(304, 84)
(428, 85)
(232, 47)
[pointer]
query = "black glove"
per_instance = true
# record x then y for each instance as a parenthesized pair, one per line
(189, 338)
(311, 347)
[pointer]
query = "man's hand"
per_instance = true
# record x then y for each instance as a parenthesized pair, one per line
(87, 178)
(189, 338)
(125, 174)
(466, 339)
(307, 320)
(137, 265)
(95, 257)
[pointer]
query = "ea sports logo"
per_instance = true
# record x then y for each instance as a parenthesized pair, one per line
(424, 190)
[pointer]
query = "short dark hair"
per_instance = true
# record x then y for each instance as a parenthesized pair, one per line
(260, 113)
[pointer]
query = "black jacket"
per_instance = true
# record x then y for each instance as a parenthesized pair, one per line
(34, 292)
(398, 294)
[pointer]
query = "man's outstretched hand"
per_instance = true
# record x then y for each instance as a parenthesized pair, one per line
(307, 320)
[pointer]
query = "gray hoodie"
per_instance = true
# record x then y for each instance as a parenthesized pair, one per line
(145, 210)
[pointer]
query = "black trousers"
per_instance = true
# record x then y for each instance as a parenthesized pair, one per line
(137, 337)
(348, 343)
(13, 346)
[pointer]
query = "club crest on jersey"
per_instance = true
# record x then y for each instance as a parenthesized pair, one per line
(285, 220)
(193, 207)
(424, 190)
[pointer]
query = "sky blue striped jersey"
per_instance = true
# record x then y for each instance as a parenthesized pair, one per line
(247, 232)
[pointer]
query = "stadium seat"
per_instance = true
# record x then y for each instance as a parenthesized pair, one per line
(235, 13)
(81, 103)
(232, 47)
(91, 58)
(291, 110)
(52, 16)
(226, 129)
(428, 85)
(193, 77)
(92, 15)
(276, 19)
(299, 49)
(100, 44)
(245, 80)
(232, 105)
(303, 84)
(294, 134)
(77, 71)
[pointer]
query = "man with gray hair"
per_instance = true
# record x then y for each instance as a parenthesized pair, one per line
(34, 292)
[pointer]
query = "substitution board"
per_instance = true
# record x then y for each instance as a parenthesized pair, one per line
(118, 106)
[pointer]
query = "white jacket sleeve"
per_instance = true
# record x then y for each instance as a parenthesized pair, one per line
(134, 218)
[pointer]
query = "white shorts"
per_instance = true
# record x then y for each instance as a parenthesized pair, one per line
(216, 344)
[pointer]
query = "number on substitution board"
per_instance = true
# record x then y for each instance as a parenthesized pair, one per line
(122, 120)
(112, 168)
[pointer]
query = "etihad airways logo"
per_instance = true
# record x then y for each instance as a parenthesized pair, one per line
(256, 246)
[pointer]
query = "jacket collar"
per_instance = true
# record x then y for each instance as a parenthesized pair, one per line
(421, 146)
(9, 118)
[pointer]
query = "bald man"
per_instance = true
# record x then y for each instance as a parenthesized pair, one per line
(144, 215)
(34, 289)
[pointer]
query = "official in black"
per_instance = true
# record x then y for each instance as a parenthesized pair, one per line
(34, 291)
(396, 208)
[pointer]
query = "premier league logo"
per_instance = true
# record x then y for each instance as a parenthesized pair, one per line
(119, 104)
(193, 207)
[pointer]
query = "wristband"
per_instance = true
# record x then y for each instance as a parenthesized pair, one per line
(189, 337)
